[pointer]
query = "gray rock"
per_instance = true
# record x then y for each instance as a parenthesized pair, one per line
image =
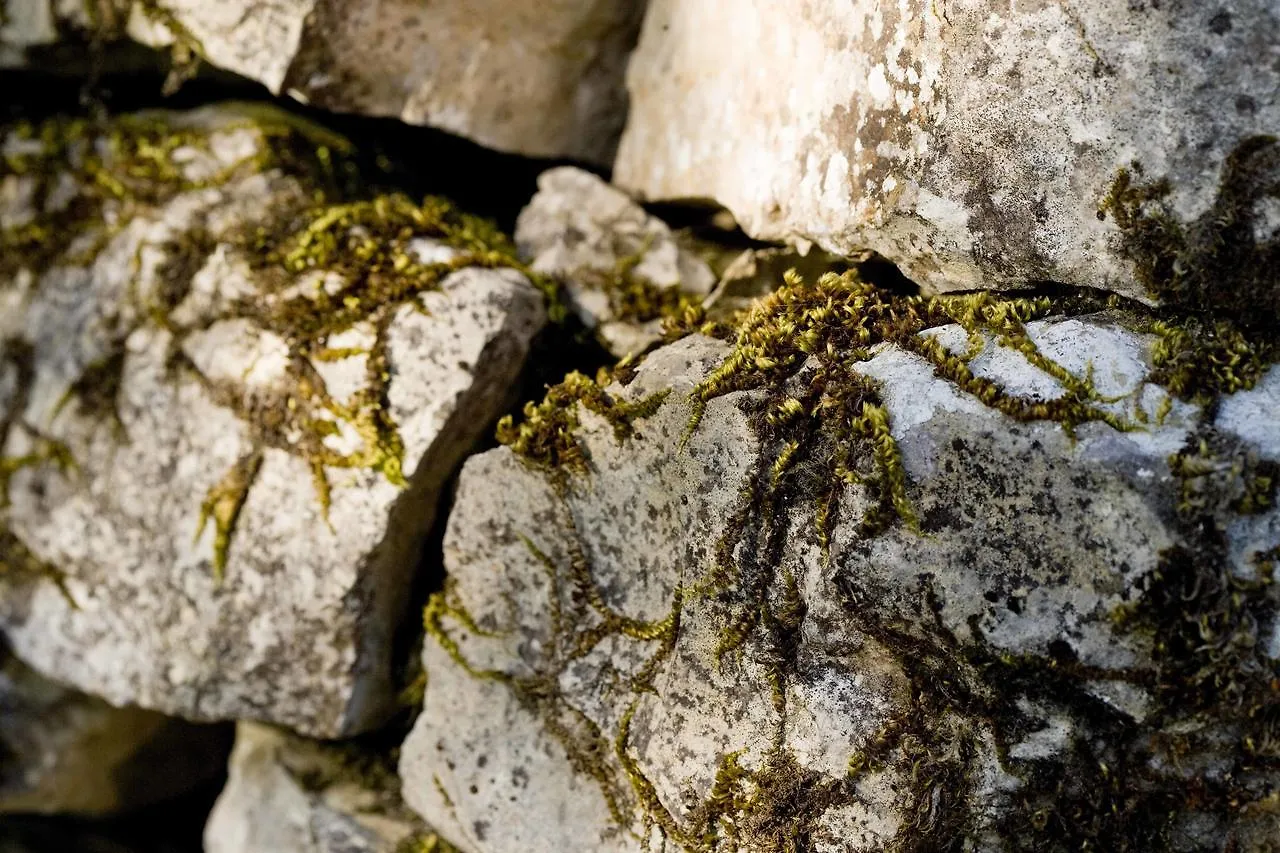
(62, 752)
(622, 268)
(530, 78)
(221, 462)
(661, 643)
(971, 142)
(286, 794)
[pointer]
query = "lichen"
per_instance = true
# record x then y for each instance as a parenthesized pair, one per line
(361, 245)
(824, 428)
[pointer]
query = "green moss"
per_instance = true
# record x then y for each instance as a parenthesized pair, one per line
(546, 434)
(1220, 263)
(823, 428)
(337, 228)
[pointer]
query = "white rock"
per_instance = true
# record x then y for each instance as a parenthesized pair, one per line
(971, 142)
(64, 752)
(204, 436)
(599, 243)
(286, 794)
(959, 666)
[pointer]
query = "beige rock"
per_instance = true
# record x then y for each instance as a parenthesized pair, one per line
(971, 142)
(286, 794)
(537, 78)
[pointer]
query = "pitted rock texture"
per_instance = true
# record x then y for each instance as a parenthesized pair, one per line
(62, 752)
(544, 79)
(659, 647)
(286, 794)
(971, 142)
(622, 268)
(221, 464)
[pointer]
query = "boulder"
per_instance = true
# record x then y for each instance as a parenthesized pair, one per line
(977, 144)
(232, 396)
(287, 794)
(540, 79)
(62, 752)
(623, 270)
(1000, 579)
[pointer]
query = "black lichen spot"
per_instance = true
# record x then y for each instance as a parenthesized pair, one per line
(1221, 263)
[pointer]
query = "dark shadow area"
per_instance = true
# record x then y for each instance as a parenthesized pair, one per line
(78, 79)
(174, 826)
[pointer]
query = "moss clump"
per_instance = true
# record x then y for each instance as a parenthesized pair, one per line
(1222, 263)
(546, 434)
(329, 255)
(823, 427)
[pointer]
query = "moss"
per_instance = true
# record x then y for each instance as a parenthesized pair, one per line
(1221, 263)
(546, 434)
(823, 428)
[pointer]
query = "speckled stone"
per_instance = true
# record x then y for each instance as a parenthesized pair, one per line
(299, 630)
(972, 142)
(287, 794)
(1031, 541)
(589, 235)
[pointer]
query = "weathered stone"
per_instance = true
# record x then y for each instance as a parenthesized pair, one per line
(286, 794)
(990, 631)
(974, 143)
(622, 268)
(64, 752)
(231, 413)
(535, 78)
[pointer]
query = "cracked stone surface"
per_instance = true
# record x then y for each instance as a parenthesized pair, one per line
(971, 142)
(165, 517)
(902, 683)
(63, 752)
(287, 794)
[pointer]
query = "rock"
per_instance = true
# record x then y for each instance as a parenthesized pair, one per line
(535, 79)
(64, 752)
(286, 794)
(976, 144)
(231, 412)
(985, 584)
(623, 270)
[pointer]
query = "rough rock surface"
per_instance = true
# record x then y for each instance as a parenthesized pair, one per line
(971, 142)
(64, 752)
(658, 645)
(286, 794)
(227, 414)
(622, 268)
(543, 79)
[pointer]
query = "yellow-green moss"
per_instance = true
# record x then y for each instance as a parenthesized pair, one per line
(335, 227)
(823, 427)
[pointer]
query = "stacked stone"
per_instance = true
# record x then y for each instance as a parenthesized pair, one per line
(978, 557)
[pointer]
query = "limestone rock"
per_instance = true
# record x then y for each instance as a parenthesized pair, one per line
(994, 632)
(535, 78)
(286, 794)
(64, 752)
(622, 268)
(971, 142)
(230, 412)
